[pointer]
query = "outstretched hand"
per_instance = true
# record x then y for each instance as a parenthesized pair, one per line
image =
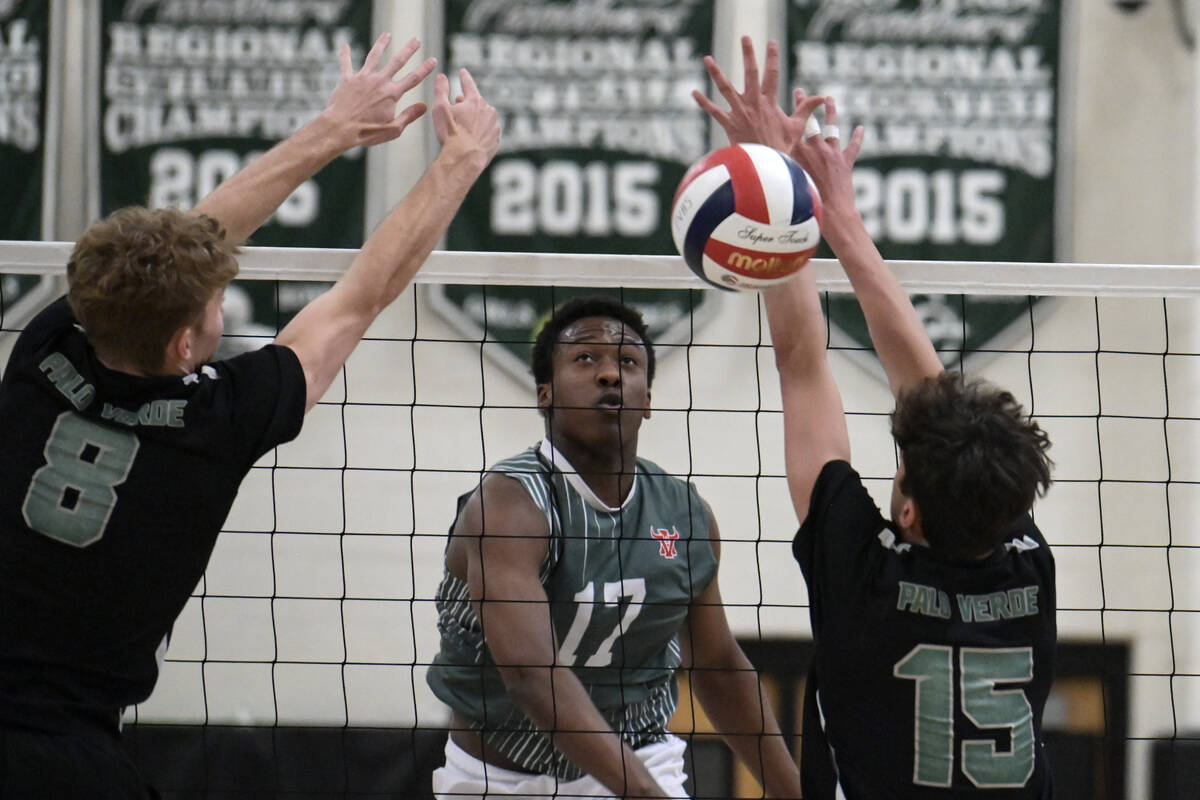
(754, 114)
(470, 119)
(818, 149)
(363, 105)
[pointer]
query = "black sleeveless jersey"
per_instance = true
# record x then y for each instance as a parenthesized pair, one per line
(112, 491)
(929, 677)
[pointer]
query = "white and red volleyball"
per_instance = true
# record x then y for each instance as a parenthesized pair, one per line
(746, 217)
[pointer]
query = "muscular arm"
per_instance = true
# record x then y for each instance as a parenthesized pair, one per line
(754, 115)
(814, 421)
(502, 546)
(325, 332)
(728, 689)
(361, 111)
(900, 340)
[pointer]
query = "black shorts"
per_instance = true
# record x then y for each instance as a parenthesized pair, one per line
(88, 764)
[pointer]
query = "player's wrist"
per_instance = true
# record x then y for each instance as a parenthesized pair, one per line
(333, 133)
(464, 154)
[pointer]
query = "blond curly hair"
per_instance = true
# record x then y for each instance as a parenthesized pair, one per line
(139, 275)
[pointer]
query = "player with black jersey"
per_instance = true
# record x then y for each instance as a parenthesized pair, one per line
(124, 446)
(934, 633)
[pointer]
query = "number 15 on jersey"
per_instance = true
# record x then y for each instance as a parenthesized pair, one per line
(931, 667)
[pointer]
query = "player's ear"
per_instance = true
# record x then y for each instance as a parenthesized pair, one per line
(646, 413)
(180, 347)
(910, 515)
(545, 398)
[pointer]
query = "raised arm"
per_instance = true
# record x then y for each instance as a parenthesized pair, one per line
(813, 419)
(900, 340)
(503, 576)
(325, 332)
(727, 686)
(361, 111)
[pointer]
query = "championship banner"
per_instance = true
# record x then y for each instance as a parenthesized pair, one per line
(959, 102)
(24, 43)
(27, 121)
(190, 92)
(599, 126)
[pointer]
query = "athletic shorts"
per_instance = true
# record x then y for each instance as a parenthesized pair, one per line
(464, 777)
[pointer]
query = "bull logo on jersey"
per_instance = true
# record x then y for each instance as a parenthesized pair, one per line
(666, 540)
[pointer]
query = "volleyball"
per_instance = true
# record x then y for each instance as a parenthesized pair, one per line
(746, 216)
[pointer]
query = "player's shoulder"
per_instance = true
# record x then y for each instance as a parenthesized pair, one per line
(837, 474)
(839, 489)
(526, 462)
(663, 479)
(55, 316)
(271, 362)
(268, 377)
(49, 324)
(504, 499)
(523, 478)
(1025, 538)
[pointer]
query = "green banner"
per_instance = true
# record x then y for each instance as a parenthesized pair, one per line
(598, 128)
(24, 42)
(189, 92)
(959, 102)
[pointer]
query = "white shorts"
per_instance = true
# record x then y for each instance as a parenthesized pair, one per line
(465, 777)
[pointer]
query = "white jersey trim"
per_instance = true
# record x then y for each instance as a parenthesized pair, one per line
(887, 538)
(1024, 544)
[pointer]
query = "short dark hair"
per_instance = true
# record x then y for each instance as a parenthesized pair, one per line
(973, 461)
(541, 361)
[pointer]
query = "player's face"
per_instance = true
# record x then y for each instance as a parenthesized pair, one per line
(207, 335)
(599, 384)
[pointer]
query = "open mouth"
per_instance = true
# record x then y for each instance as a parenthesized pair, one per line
(610, 401)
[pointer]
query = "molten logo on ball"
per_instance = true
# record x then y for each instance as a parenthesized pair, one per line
(746, 216)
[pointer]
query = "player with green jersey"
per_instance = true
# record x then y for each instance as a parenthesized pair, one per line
(579, 579)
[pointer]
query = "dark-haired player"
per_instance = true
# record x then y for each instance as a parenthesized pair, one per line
(935, 630)
(579, 579)
(123, 447)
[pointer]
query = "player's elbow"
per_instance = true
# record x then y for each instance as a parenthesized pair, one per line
(799, 360)
(528, 685)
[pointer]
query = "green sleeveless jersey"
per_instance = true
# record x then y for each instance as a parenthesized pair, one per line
(619, 582)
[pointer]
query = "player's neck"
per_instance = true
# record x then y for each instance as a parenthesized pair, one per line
(127, 367)
(119, 365)
(608, 471)
(913, 535)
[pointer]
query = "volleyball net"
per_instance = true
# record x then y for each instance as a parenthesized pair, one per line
(317, 610)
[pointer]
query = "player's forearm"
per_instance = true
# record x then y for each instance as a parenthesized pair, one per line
(797, 325)
(556, 702)
(741, 712)
(399, 246)
(900, 339)
(246, 200)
